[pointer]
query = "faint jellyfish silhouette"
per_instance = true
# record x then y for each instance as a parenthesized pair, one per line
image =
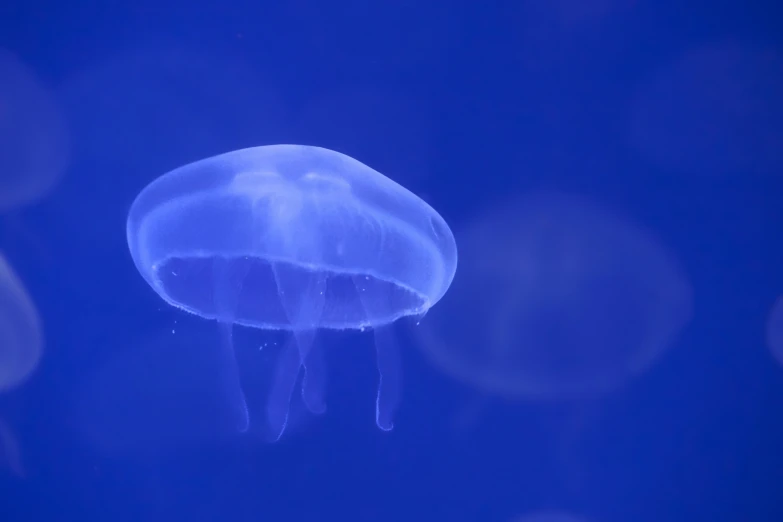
(33, 136)
(716, 110)
(559, 300)
(294, 238)
(21, 339)
(775, 331)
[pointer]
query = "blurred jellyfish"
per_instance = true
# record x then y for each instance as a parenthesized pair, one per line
(33, 137)
(21, 339)
(292, 238)
(716, 110)
(558, 299)
(775, 330)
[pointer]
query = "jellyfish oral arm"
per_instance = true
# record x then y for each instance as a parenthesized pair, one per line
(229, 284)
(315, 376)
(302, 296)
(390, 370)
(283, 384)
(230, 377)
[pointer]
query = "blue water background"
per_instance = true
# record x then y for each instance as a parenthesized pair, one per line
(497, 102)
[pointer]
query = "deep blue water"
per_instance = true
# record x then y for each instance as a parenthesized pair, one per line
(668, 116)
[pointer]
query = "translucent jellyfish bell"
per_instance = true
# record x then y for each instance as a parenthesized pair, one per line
(575, 300)
(295, 238)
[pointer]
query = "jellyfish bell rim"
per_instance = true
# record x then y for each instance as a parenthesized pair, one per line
(159, 288)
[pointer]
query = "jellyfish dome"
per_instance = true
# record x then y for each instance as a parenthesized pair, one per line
(295, 238)
(577, 300)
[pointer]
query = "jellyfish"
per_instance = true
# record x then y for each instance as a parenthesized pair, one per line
(577, 301)
(299, 239)
(21, 340)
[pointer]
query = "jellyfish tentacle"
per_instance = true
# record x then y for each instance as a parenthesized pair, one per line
(303, 295)
(226, 295)
(230, 377)
(389, 384)
(374, 299)
(315, 375)
(283, 384)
